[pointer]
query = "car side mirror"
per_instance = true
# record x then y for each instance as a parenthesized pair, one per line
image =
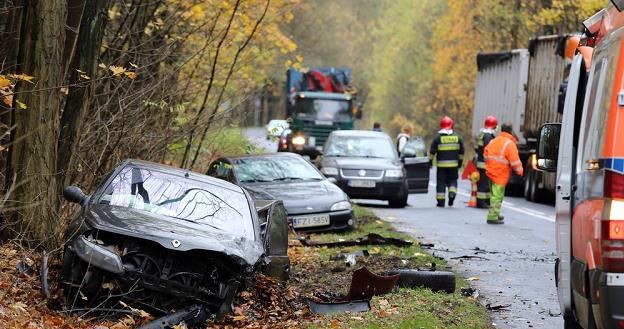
(548, 147)
(74, 194)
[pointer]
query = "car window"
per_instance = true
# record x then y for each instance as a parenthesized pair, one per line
(360, 146)
(414, 148)
(181, 198)
(267, 169)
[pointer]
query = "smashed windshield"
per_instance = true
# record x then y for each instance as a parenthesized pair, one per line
(323, 109)
(360, 146)
(268, 169)
(181, 198)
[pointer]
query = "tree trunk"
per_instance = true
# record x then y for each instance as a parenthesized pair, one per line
(33, 203)
(85, 59)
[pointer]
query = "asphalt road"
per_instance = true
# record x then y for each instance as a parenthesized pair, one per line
(511, 265)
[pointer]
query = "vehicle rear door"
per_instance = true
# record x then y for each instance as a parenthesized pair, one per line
(566, 178)
(416, 164)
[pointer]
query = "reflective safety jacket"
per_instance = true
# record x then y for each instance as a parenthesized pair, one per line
(448, 150)
(485, 136)
(501, 155)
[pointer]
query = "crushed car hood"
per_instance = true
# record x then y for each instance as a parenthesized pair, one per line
(164, 230)
(356, 163)
(299, 197)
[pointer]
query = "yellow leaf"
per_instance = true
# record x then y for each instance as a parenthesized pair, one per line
(102, 66)
(86, 77)
(117, 70)
(20, 105)
(23, 77)
(299, 58)
(131, 75)
(4, 82)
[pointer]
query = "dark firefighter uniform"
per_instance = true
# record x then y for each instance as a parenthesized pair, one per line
(448, 151)
(483, 185)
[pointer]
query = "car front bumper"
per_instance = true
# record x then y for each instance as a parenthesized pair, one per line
(384, 189)
(339, 221)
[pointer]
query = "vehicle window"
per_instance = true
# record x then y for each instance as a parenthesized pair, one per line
(221, 170)
(323, 109)
(360, 146)
(181, 198)
(414, 148)
(267, 169)
(599, 102)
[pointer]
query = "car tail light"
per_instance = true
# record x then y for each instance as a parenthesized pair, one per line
(612, 241)
(613, 185)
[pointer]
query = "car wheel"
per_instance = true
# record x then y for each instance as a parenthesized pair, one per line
(77, 290)
(434, 280)
(399, 202)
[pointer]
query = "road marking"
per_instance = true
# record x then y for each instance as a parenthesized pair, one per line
(512, 206)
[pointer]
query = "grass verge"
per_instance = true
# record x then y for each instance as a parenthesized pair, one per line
(405, 308)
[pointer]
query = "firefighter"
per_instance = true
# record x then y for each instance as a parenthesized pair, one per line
(486, 134)
(448, 151)
(501, 155)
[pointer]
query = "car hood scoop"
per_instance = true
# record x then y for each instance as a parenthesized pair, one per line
(172, 233)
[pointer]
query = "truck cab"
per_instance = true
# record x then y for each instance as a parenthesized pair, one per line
(319, 101)
(586, 150)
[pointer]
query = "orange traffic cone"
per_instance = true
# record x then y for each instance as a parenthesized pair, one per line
(474, 178)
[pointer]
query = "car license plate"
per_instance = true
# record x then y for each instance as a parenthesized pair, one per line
(323, 122)
(362, 183)
(310, 221)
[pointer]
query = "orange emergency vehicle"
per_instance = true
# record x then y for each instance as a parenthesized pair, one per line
(587, 152)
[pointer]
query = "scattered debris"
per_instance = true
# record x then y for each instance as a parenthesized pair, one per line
(339, 307)
(25, 266)
(370, 239)
(365, 284)
(426, 245)
(473, 278)
(470, 292)
(498, 307)
(350, 258)
(470, 257)
(190, 316)
(434, 280)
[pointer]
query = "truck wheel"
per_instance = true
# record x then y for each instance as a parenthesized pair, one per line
(434, 280)
(528, 181)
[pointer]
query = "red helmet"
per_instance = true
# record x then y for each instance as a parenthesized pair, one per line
(490, 122)
(446, 123)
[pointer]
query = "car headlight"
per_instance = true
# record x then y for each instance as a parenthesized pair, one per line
(298, 140)
(394, 173)
(342, 205)
(331, 171)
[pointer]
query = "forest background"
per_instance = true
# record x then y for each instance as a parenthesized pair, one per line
(87, 83)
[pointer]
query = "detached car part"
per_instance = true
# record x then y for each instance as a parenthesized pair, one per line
(434, 280)
(370, 239)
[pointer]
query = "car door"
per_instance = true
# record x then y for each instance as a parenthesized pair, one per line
(416, 164)
(274, 225)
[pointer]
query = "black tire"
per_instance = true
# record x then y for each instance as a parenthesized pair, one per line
(399, 202)
(569, 322)
(528, 181)
(434, 280)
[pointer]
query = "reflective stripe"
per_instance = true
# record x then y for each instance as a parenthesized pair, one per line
(440, 196)
(480, 164)
(453, 189)
(447, 163)
(496, 159)
(502, 153)
(448, 147)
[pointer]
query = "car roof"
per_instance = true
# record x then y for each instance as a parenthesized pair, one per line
(179, 172)
(360, 133)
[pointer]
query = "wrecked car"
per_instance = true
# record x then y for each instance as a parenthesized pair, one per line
(162, 238)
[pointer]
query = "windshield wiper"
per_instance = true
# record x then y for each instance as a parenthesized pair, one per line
(255, 181)
(287, 178)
